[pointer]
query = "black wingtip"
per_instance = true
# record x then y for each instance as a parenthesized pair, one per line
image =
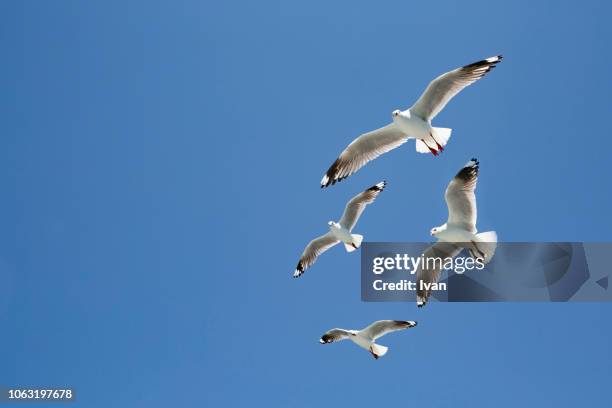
(378, 186)
(489, 62)
(469, 170)
(472, 163)
(299, 270)
(325, 339)
(331, 175)
(409, 323)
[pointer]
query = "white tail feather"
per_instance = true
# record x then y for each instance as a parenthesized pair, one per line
(442, 135)
(355, 244)
(379, 350)
(487, 243)
(439, 136)
(421, 147)
(349, 247)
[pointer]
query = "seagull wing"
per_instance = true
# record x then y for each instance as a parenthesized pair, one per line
(355, 207)
(460, 197)
(315, 248)
(446, 86)
(365, 148)
(382, 327)
(334, 335)
(432, 263)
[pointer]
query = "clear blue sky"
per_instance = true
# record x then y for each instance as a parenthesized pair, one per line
(160, 169)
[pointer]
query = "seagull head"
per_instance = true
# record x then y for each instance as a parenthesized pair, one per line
(331, 223)
(436, 230)
(395, 113)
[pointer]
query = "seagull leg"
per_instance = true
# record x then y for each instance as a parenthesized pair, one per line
(432, 150)
(440, 147)
(373, 354)
(478, 249)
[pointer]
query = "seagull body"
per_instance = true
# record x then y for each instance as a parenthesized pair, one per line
(454, 234)
(342, 234)
(340, 231)
(459, 231)
(412, 123)
(415, 127)
(366, 338)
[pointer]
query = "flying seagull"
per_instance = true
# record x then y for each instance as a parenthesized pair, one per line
(458, 232)
(413, 123)
(340, 231)
(366, 338)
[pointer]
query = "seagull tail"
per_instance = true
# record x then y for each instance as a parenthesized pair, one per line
(421, 147)
(355, 244)
(421, 300)
(441, 136)
(378, 350)
(487, 243)
(434, 144)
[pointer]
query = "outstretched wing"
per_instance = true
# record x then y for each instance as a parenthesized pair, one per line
(461, 199)
(446, 86)
(382, 327)
(429, 269)
(334, 335)
(355, 207)
(365, 148)
(315, 248)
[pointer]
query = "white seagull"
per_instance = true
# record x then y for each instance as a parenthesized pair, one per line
(458, 232)
(340, 231)
(366, 338)
(413, 123)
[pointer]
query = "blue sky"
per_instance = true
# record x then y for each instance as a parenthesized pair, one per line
(161, 163)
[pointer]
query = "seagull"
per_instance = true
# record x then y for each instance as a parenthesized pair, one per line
(366, 338)
(458, 232)
(340, 231)
(413, 123)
